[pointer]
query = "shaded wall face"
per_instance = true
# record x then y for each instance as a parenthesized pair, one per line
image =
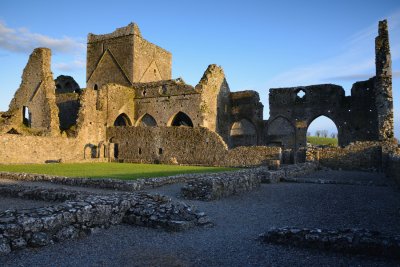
(281, 133)
(246, 118)
(354, 116)
(68, 105)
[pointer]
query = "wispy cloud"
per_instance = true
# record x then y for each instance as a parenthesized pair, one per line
(356, 77)
(357, 61)
(69, 51)
(70, 66)
(21, 40)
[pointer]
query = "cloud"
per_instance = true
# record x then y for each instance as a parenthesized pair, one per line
(21, 40)
(356, 62)
(70, 66)
(359, 76)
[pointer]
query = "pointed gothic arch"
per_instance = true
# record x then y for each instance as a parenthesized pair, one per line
(146, 120)
(281, 132)
(180, 119)
(122, 120)
(243, 133)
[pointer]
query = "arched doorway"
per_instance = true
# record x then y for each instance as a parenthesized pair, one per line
(322, 131)
(181, 119)
(146, 121)
(281, 132)
(122, 120)
(243, 133)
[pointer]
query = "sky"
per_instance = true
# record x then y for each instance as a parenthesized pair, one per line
(259, 44)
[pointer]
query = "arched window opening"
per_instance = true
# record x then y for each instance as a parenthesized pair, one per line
(122, 120)
(243, 133)
(95, 87)
(181, 119)
(146, 121)
(322, 131)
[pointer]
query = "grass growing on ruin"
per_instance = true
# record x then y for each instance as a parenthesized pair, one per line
(125, 171)
(327, 141)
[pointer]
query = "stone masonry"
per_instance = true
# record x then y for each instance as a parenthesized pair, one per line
(133, 111)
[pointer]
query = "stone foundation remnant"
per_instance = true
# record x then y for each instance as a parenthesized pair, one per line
(78, 214)
(350, 241)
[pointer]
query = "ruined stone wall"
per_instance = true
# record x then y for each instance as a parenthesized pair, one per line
(182, 145)
(355, 116)
(356, 156)
(100, 109)
(35, 96)
(215, 101)
(124, 57)
(151, 62)
(366, 115)
(110, 57)
(37, 149)
(383, 94)
(247, 119)
(163, 100)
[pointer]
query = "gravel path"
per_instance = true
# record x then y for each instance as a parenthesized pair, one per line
(7, 203)
(238, 222)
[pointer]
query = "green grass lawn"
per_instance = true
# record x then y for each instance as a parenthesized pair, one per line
(314, 140)
(125, 171)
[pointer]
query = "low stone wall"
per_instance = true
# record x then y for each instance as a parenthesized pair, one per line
(219, 185)
(75, 218)
(353, 241)
(356, 156)
(288, 171)
(37, 193)
(115, 184)
(393, 166)
(184, 145)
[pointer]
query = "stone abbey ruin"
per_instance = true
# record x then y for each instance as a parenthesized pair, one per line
(133, 111)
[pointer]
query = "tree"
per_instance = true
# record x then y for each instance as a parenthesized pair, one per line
(334, 135)
(318, 133)
(324, 133)
(308, 133)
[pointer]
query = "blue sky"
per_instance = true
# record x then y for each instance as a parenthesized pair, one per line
(259, 44)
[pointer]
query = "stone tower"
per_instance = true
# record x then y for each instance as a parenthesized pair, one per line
(124, 57)
(383, 83)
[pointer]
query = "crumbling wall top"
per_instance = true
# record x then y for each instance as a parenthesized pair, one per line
(130, 29)
(245, 94)
(163, 88)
